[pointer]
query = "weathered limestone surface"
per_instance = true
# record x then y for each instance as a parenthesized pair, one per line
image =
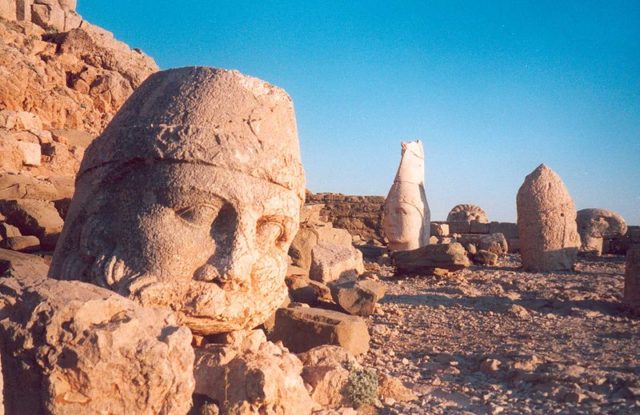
(326, 371)
(70, 73)
(467, 213)
(632, 279)
(252, 376)
(34, 217)
(303, 328)
(70, 348)
(330, 262)
(357, 297)
(204, 165)
(20, 265)
(406, 217)
(596, 224)
(425, 259)
(549, 239)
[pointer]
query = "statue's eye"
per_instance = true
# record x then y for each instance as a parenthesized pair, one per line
(199, 215)
(269, 231)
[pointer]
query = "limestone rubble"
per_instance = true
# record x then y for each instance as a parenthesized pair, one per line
(69, 347)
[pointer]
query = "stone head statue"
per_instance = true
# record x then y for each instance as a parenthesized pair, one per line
(190, 199)
(406, 217)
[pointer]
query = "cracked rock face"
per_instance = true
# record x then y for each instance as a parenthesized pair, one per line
(190, 199)
(70, 348)
(547, 227)
(406, 216)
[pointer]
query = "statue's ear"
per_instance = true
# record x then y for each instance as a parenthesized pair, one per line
(404, 146)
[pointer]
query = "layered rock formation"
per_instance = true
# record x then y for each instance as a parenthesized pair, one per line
(406, 216)
(70, 73)
(549, 239)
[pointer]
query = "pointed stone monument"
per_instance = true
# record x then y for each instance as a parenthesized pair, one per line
(406, 218)
(549, 238)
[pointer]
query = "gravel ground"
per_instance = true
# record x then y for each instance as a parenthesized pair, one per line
(489, 340)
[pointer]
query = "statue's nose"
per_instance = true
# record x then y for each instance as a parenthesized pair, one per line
(232, 259)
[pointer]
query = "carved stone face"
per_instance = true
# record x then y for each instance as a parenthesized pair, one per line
(406, 216)
(203, 228)
(210, 243)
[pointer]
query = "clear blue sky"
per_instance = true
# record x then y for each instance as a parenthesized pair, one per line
(493, 88)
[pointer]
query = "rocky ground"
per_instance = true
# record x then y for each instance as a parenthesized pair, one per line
(499, 340)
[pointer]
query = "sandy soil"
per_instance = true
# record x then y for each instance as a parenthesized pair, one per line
(491, 340)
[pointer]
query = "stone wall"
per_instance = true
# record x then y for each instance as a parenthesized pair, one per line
(360, 215)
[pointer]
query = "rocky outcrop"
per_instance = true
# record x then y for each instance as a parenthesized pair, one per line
(549, 239)
(70, 347)
(68, 72)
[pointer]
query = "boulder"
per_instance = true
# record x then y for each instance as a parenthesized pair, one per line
(303, 328)
(330, 262)
(596, 224)
(308, 237)
(390, 388)
(34, 217)
(483, 257)
(31, 153)
(357, 297)
(20, 265)
(467, 213)
(27, 243)
(549, 238)
(439, 229)
(326, 371)
(631, 296)
(71, 347)
(20, 186)
(252, 376)
(495, 242)
(451, 257)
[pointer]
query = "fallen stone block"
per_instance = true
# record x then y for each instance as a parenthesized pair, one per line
(425, 259)
(34, 217)
(330, 262)
(28, 243)
(483, 257)
(357, 297)
(301, 329)
(439, 229)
